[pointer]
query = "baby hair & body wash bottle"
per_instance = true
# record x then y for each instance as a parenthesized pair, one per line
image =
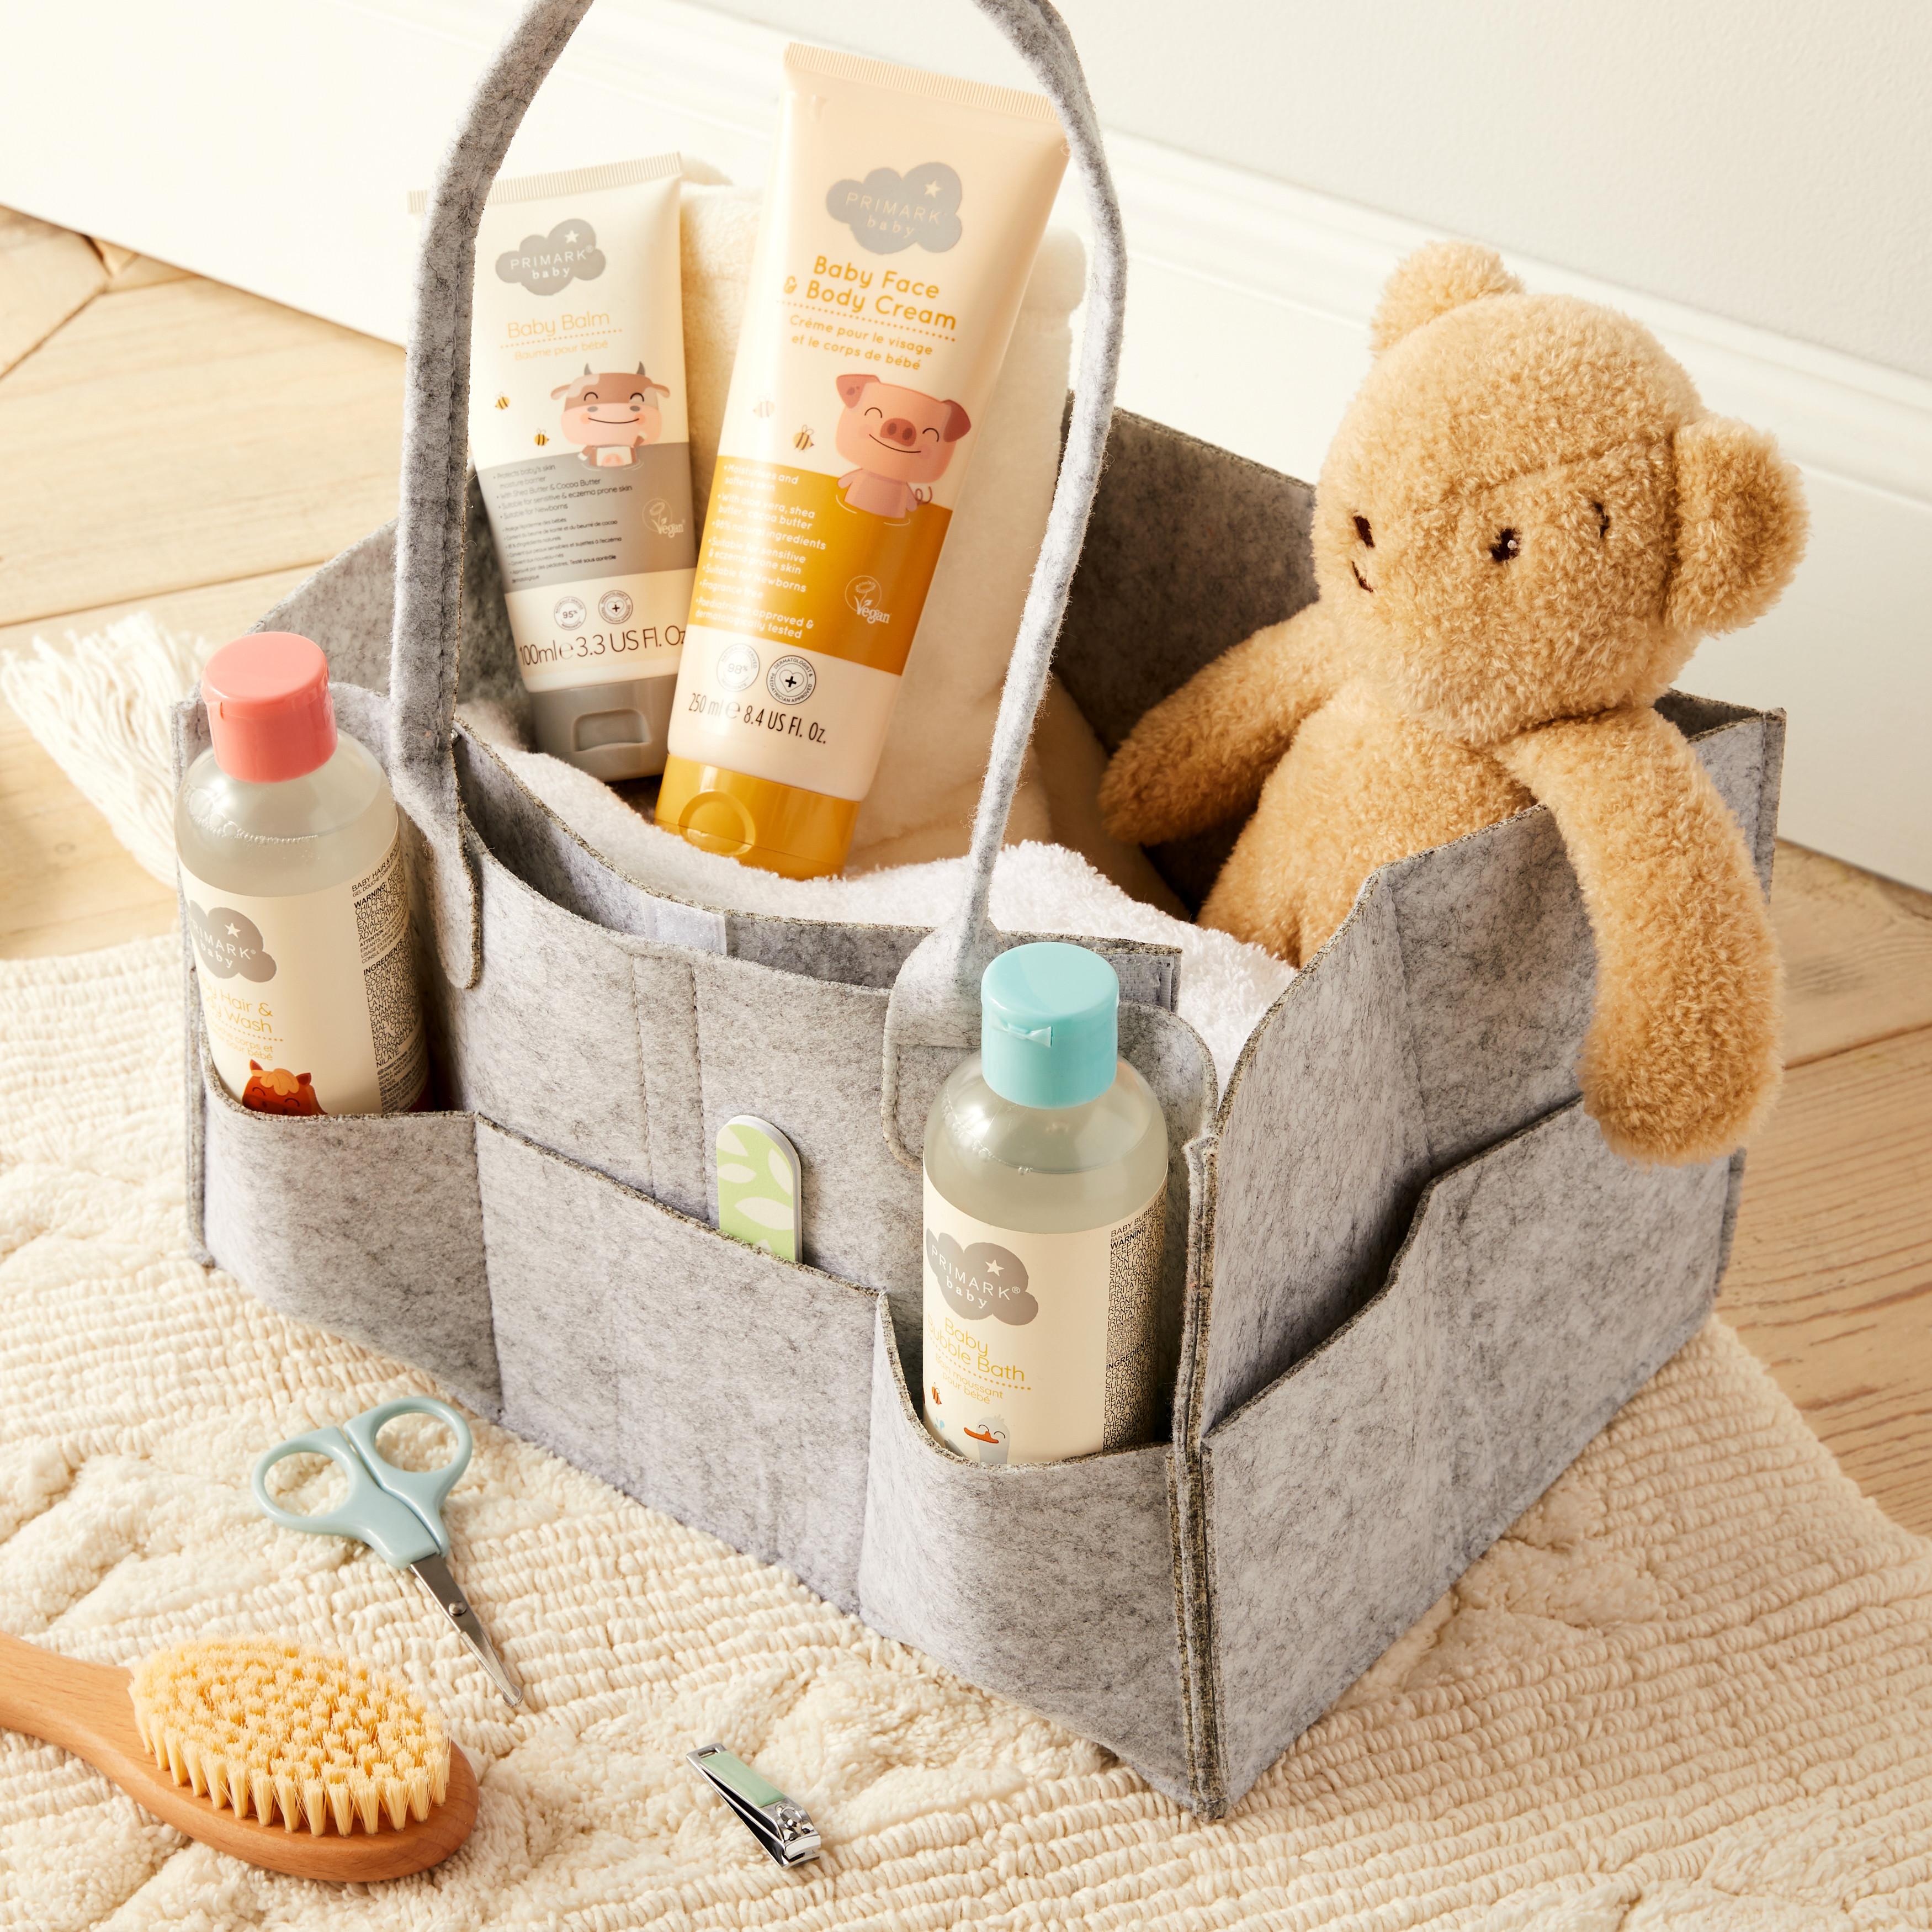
(296, 895)
(1045, 1189)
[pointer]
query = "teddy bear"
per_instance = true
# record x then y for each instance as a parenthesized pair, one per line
(1525, 525)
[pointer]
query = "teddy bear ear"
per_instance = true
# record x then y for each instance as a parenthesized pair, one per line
(1740, 524)
(1437, 278)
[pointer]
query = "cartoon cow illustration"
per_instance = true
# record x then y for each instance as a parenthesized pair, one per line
(611, 416)
(901, 440)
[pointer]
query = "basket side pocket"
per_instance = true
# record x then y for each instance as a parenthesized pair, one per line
(1053, 1584)
(367, 1225)
(700, 1376)
(1542, 1283)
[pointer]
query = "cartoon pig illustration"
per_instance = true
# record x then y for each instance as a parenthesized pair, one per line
(611, 416)
(901, 439)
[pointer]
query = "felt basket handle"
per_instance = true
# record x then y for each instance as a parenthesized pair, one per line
(424, 646)
(935, 1001)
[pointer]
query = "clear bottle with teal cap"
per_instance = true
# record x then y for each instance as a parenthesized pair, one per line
(1045, 1184)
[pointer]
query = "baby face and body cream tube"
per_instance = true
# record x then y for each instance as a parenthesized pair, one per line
(898, 231)
(579, 431)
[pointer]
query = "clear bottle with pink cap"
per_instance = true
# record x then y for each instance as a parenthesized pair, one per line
(296, 896)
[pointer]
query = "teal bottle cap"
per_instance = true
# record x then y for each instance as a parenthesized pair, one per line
(1049, 1025)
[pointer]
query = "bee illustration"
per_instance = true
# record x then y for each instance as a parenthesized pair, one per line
(540, 437)
(803, 438)
(503, 402)
(766, 408)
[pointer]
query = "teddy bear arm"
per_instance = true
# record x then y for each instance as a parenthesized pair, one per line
(1201, 757)
(1682, 1058)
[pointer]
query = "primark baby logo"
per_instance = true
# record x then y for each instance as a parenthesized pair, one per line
(889, 211)
(985, 1279)
(547, 265)
(229, 944)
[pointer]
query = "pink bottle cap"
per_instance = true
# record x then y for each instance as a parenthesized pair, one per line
(268, 708)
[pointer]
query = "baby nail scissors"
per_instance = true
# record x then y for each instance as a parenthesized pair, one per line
(398, 1512)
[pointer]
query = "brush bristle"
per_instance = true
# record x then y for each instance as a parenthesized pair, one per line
(258, 1723)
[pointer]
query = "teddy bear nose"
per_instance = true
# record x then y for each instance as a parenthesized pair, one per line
(900, 431)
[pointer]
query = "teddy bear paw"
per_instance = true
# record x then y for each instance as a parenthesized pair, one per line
(1678, 1111)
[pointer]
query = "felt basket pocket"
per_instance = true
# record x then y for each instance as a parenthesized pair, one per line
(1053, 1584)
(367, 1225)
(702, 1377)
(1387, 1460)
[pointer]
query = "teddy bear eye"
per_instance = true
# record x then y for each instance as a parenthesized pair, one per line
(1366, 536)
(1603, 518)
(1505, 547)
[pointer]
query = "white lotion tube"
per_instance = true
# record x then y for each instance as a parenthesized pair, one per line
(580, 432)
(898, 234)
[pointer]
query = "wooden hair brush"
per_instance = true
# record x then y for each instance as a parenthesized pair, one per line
(347, 1772)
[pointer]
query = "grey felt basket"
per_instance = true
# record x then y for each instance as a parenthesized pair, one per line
(1410, 1280)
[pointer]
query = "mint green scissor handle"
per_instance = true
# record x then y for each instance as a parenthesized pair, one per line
(398, 1513)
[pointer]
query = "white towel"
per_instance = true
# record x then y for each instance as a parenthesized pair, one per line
(1226, 985)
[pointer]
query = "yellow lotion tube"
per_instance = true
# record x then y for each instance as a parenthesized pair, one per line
(899, 229)
(578, 427)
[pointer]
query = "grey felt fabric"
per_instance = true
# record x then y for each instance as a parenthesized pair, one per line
(1188, 549)
(1450, 1008)
(709, 1380)
(1319, 1158)
(371, 1228)
(1522, 978)
(538, 848)
(1349, 1427)
(1542, 1283)
(542, 1041)
(1053, 1583)
(434, 497)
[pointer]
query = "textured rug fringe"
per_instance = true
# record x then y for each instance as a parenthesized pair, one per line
(102, 706)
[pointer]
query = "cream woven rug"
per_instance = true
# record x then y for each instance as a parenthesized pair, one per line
(1692, 1687)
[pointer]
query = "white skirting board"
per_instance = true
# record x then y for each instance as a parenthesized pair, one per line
(270, 144)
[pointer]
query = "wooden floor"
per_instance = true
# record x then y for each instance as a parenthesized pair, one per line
(169, 445)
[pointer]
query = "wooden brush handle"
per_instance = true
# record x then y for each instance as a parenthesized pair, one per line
(83, 1708)
(86, 1709)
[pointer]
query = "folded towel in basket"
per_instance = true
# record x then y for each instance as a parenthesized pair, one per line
(1225, 984)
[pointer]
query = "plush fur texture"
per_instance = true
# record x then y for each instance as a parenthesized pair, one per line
(1526, 523)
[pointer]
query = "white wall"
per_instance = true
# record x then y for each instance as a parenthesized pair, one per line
(1753, 177)
(1766, 160)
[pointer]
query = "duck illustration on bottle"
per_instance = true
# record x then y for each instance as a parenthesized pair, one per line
(988, 1439)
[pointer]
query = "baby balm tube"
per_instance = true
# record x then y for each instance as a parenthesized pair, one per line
(899, 228)
(578, 428)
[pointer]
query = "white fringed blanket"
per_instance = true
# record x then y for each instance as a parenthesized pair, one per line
(1692, 1689)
